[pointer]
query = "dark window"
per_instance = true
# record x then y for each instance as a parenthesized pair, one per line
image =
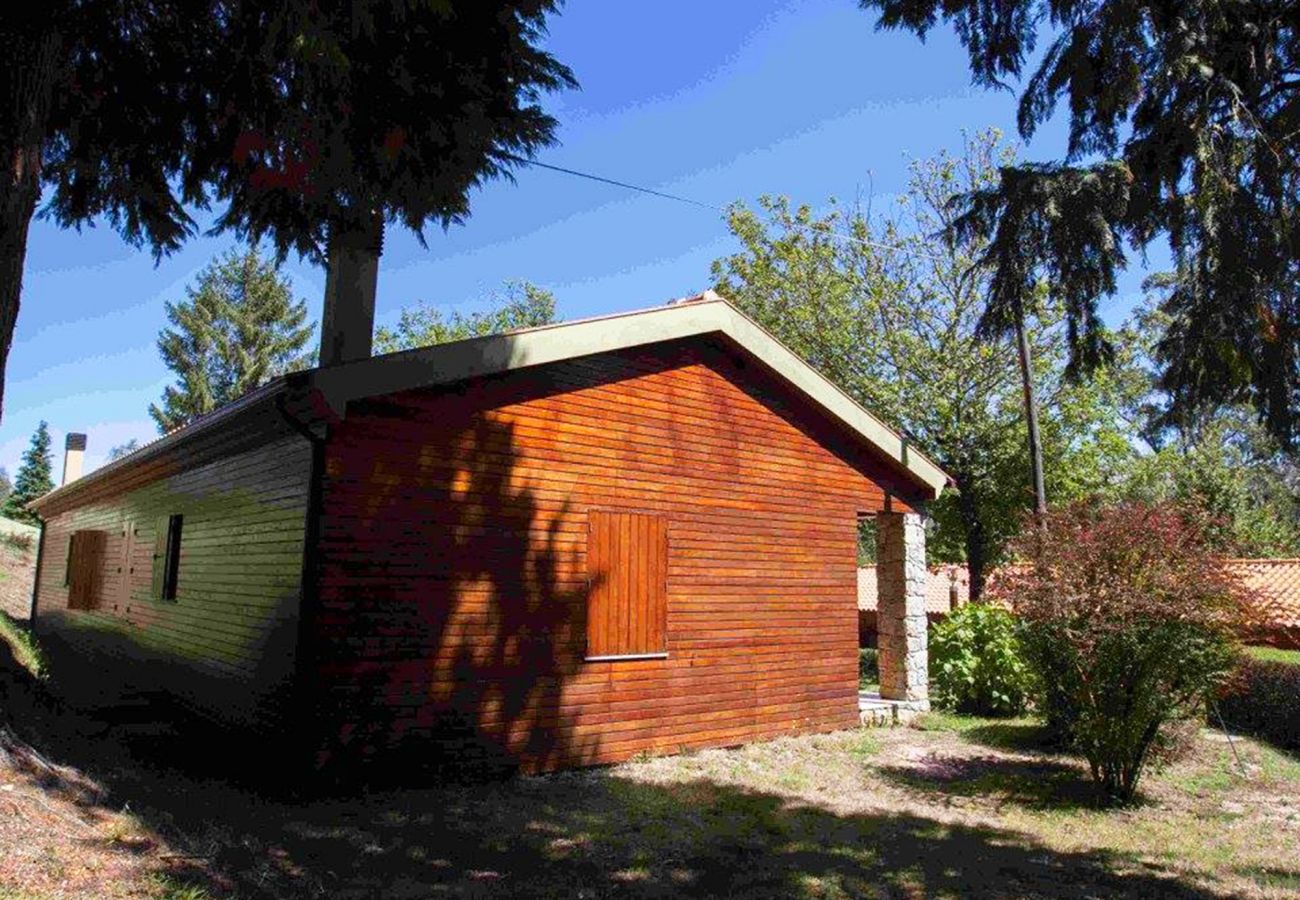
(167, 557)
(627, 599)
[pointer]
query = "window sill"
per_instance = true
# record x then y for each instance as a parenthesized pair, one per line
(626, 657)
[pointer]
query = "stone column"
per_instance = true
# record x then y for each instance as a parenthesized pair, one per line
(900, 607)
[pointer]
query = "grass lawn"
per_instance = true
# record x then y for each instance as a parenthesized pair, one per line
(25, 651)
(953, 807)
(1275, 654)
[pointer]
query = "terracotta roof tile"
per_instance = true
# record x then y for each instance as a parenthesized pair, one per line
(1277, 584)
(1275, 581)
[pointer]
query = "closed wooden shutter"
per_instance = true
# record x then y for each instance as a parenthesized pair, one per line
(627, 576)
(86, 569)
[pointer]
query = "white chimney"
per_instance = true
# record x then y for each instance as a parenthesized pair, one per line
(74, 454)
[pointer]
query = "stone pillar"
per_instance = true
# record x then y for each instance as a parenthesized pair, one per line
(900, 607)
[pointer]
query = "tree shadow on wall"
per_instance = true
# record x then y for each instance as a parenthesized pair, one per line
(450, 628)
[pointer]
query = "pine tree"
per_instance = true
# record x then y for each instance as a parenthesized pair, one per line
(34, 478)
(239, 328)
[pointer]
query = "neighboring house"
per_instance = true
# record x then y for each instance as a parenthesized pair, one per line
(1274, 584)
(560, 546)
(946, 587)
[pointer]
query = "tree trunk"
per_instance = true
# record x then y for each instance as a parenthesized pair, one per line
(1031, 417)
(31, 49)
(976, 538)
(348, 320)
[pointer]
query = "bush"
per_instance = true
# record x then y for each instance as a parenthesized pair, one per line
(16, 540)
(1263, 698)
(868, 668)
(1129, 623)
(977, 665)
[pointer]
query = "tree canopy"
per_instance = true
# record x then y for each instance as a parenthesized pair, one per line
(520, 304)
(296, 117)
(332, 113)
(239, 327)
(1184, 122)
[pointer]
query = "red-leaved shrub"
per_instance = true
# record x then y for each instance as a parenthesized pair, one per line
(1128, 620)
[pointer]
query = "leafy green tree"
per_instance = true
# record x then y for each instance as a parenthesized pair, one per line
(6, 486)
(520, 305)
(889, 310)
(1235, 474)
(239, 328)
(34, 478)
(1182, 123)
(1221, 462)
(124, 449)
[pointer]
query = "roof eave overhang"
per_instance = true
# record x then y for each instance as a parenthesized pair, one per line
(448, 363)
(322, 395)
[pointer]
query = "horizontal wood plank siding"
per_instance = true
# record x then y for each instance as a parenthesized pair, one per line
(453, 571)
(226, 643)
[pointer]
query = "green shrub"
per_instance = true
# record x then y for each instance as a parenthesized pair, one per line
(1263, 698)
(1129, 622)
(868, 668)
(22, 645)
(977, 665)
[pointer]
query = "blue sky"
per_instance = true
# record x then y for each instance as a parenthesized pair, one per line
(718, 101)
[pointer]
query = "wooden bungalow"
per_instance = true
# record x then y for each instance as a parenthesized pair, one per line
(555, 547)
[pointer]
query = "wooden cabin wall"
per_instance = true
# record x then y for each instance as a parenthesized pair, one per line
(451, 626)
(226, 643)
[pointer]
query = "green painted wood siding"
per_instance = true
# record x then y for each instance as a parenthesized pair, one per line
(226, 643)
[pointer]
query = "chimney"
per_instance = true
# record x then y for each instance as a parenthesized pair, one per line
(74, 454)
(347, 322)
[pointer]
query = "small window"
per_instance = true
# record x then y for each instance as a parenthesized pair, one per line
(167, 557)
(627, 597)
(84, 575)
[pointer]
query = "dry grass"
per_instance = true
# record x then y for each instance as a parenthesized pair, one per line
(955, 807)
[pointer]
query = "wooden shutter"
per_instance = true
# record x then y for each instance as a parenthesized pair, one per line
(86, 569)
(627, 577)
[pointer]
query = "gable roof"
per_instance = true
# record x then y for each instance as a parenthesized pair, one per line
(325, 392)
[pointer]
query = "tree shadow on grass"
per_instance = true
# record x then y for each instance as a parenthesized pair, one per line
(595, 833)
(1030, 783)
(1018, 736)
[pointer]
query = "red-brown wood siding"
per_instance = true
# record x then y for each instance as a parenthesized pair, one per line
(452, 617)
(627, 583)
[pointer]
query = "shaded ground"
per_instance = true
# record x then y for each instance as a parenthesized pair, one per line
(957, 807)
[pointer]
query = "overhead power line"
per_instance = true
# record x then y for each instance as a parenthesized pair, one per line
(664, 195)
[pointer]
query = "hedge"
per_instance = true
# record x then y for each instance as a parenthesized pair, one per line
(1263, 699)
